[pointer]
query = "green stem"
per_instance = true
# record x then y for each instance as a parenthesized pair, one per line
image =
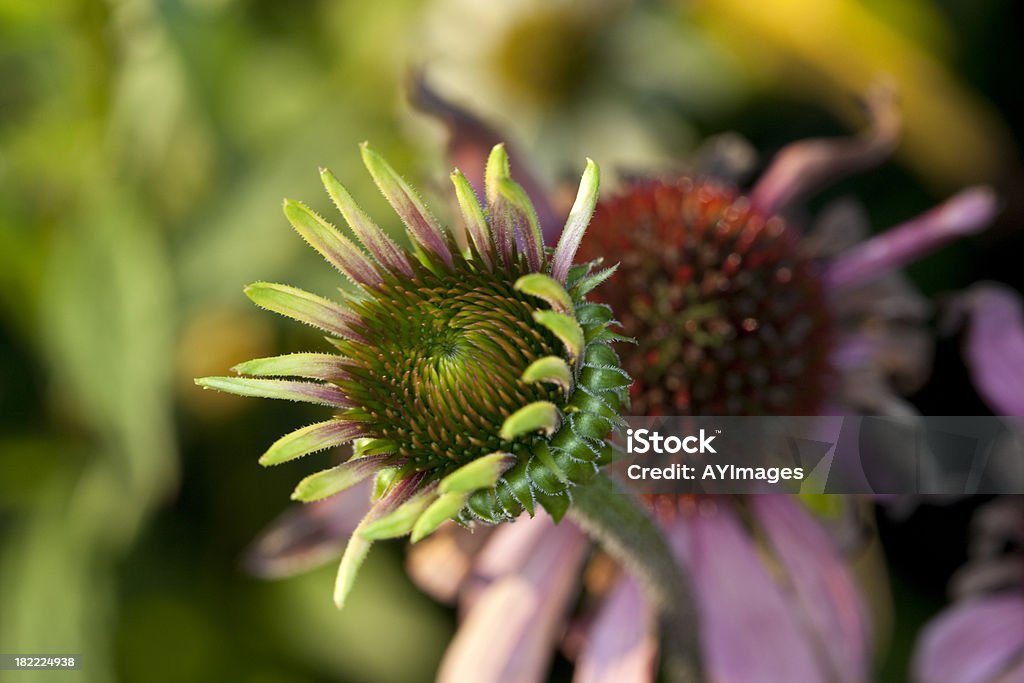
(613, 518)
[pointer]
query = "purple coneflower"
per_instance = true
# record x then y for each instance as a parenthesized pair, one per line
(735, 310)
(471, 375)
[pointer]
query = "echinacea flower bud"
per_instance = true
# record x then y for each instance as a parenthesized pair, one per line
(471, 376)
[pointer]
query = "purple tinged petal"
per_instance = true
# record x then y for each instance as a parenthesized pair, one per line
(525, 609)
(507, 550)
(324, 366)
(825, 591)
(289, 390)
(470, 144)
(499, 211)
(307, 536)
(332, 245)
(473, 217)
(972, 642)
(420, 223)
(326, 483)
(305, 307)
(805, 166)
(576, 224)
(310, 439)
(530, 238)
(358, 546)
(748, 629)
(994, 345)
(373, 238)
(621, 646)
(966, 213)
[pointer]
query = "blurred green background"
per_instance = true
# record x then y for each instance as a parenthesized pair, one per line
(145, 146)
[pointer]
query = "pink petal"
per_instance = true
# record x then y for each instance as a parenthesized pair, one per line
(510, 633)
(805, 166)
(994, 346)
(972, 642)
(749, 630)
(621, 646)
(966, 213)
(820, 581)
(306, 536)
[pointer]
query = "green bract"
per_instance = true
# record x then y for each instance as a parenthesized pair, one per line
(471, 376)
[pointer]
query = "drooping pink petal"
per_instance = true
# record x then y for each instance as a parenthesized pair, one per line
(507, 550)
(306, 536)
(509, 634)
(964, 214)
(749, 629)
(994, 345)
(808, 165)
(820, 581)
(621, 646)
(972, 642)
(441, 562)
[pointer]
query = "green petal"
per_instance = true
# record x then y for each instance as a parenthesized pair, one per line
(356, 550)
(542, 415)
(444, 508)
(543, 287)
(479, 474)
(576, 224)
(335, 247)
(335, 480)
(498, 208)
(401, 521)
(325, 366)
(289, 390)
(310, 439)
(565, 328)
(302, 306)
(550, 369)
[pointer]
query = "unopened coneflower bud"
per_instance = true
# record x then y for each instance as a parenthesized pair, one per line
(472, 377)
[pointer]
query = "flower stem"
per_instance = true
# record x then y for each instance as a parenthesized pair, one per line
(613, 518)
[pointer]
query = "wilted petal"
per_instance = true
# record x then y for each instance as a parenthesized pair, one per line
(621, 646)
(964, 214)
(821, 583)
(509, 634)
(994, 345)
(804, 166)
(972, 642)
(306, 536)
(749, 631)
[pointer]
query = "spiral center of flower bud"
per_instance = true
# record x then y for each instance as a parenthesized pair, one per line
(440, 369)
(729, 317)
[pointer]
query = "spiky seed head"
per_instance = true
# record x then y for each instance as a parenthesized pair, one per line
(472, 376)
(729, 316)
